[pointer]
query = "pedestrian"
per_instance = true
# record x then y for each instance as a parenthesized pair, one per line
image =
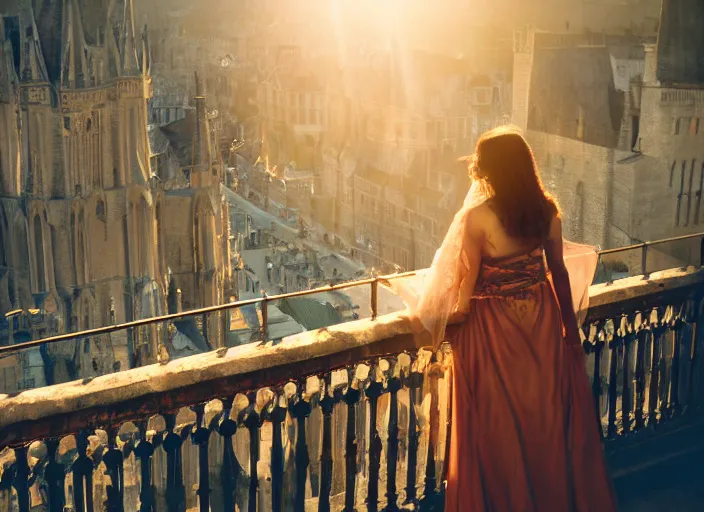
(269, 268)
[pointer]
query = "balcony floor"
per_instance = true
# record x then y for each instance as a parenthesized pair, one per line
(664, 472)
(673, 484)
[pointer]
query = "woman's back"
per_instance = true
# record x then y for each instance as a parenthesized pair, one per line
(496, 242)
(523, 430)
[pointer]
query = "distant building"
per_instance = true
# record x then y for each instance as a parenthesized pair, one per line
(615, 125)
(89, 230)
(389, 180)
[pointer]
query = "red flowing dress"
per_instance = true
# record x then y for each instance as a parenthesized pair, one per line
(524, 431)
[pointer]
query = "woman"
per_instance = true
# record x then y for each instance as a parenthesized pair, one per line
(524, 432)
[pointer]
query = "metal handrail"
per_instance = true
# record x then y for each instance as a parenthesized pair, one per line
(265, 299)
(645, 245)
(374, 282)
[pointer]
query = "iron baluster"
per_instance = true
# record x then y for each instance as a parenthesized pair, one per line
(394, 384)
(113, 460)
(144, 451)
(626, 396)
(300, 408)
(615, 351)
(596, 348)
(55, 475)
(231, 469)
(642, 337)
(414, 382)
(351, 398)
(679, 327)
(82, 475)
(277, 416)
(653, 393)
(175, 490)
(373, 392)
(252, 421)
(200, 436)
(327, 404)
(431, 498)
(21, 479)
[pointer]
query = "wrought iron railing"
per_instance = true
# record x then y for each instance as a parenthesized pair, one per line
(357, 419)
(373, 282)
(349, 417)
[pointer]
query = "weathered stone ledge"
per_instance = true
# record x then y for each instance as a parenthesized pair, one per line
(134, 394)
(631, 293)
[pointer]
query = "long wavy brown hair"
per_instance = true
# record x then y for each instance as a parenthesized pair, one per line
(504, 161)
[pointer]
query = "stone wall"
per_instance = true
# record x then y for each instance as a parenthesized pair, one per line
(579, 175)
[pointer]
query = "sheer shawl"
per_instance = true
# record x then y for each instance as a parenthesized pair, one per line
(432, 296)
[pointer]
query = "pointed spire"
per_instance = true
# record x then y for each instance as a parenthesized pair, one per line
(8, 76)
(202, 154)
(146, 52)
(33, 65)
(128, 47)
(74, 69)
(199, 86)
(112, 41)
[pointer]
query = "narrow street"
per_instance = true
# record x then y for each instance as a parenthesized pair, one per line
(388, 302)
(282, 230)
(256, 260)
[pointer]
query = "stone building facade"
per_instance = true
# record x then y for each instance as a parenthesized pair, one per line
(617, 131)
(89, 235)
(389, 180)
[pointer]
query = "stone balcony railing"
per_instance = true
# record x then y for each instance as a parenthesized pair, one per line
(351, 417)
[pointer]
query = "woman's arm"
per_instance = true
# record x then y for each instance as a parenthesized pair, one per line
(470, 259)
(561, 280)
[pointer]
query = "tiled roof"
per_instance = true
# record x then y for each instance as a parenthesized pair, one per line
(569, 82)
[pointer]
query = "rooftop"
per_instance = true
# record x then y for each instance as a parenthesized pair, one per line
(572, 86)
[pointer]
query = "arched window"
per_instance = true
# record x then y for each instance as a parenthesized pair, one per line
(40, 281)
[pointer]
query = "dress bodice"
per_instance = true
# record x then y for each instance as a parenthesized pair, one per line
(511, 276)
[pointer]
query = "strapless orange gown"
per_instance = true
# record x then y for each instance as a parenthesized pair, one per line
(524, 430)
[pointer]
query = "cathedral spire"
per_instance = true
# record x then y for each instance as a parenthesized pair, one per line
(74, 69)
(202, 154)
(146, 52)
(128, 46)
(33, 66)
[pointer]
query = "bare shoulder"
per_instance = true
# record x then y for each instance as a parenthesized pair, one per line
(555, 228)
(480, 212)
(479, 219)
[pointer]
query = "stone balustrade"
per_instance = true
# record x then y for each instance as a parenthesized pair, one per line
(350, 417)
